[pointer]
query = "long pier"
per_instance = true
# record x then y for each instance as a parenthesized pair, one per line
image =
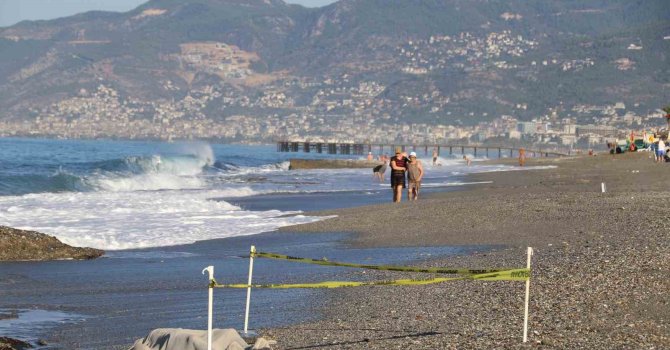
(363, 148)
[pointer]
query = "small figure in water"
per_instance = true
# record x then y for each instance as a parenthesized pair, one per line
(379, 170)
(414, 176)
(370, 157)
(435, 156)
(467, 160)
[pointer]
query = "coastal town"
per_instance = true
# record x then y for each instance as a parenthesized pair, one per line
(359, 105)
(447, 174)
(103, 113)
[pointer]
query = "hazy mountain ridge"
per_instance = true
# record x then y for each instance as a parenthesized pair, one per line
(433, 60)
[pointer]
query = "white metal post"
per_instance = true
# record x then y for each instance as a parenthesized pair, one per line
(210, 306)
(525, 315)
(251, 269)
(603, 188)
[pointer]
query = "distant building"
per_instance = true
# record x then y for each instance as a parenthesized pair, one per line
(568, 139)
(514, 134)
(479, 137)
(570, 129)
(527, 127)
(602, 130)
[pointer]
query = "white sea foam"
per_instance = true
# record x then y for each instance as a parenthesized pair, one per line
(158, 172)
(146, 182)
(267, 168)
(124, 220)
(199, 150)
(166, 200)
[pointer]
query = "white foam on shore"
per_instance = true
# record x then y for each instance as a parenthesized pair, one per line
(169, 203)
(125, 220)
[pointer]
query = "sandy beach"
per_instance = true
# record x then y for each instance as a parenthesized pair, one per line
(599, 273)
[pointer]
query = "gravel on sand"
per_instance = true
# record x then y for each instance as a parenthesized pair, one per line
(600, 273)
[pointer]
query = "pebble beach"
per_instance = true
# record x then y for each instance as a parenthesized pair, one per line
(600, 269)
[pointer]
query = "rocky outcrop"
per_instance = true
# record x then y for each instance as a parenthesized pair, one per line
(13, 344)
(18, 245)
(331, 164)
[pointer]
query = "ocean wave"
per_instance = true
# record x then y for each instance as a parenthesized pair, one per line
(145, 182)
(127, 220)
(60, 181)
(175, 165)
(232, 169)
(148, 173)
(133, 173)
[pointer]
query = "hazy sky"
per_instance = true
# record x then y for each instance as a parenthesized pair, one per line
(13, 11)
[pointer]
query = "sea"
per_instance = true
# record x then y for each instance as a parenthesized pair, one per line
(163, 212)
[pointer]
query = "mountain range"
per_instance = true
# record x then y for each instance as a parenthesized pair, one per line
(432, 61)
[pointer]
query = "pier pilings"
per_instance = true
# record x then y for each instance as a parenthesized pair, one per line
(353, 148)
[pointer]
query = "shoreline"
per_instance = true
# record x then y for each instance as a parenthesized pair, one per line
(599, 270)
(469, 314)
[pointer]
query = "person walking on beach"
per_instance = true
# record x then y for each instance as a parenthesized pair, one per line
(398, 168)
(414, 176)
(653, 147)
(434, 156)
(522, 156)
(379, 170)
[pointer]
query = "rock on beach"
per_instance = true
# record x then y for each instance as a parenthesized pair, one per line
(18, 245)
(7, 343)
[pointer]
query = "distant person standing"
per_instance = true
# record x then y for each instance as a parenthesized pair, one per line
(467, 160)
(379, 170)
(522, 156)
(654, 147)
(414, 176)
(398, 169)
(370, 157)
(435, 156)
(661, 151)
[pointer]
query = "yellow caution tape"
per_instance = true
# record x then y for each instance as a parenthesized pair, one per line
(440, 270)
(508, 275)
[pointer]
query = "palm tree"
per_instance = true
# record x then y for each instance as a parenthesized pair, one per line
(666, 109)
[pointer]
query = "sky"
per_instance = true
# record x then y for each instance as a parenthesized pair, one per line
(14, 11)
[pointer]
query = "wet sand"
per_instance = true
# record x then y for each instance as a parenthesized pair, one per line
(110, 302)
(600, 269)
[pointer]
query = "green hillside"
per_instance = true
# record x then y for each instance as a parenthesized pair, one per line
(438, 61)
